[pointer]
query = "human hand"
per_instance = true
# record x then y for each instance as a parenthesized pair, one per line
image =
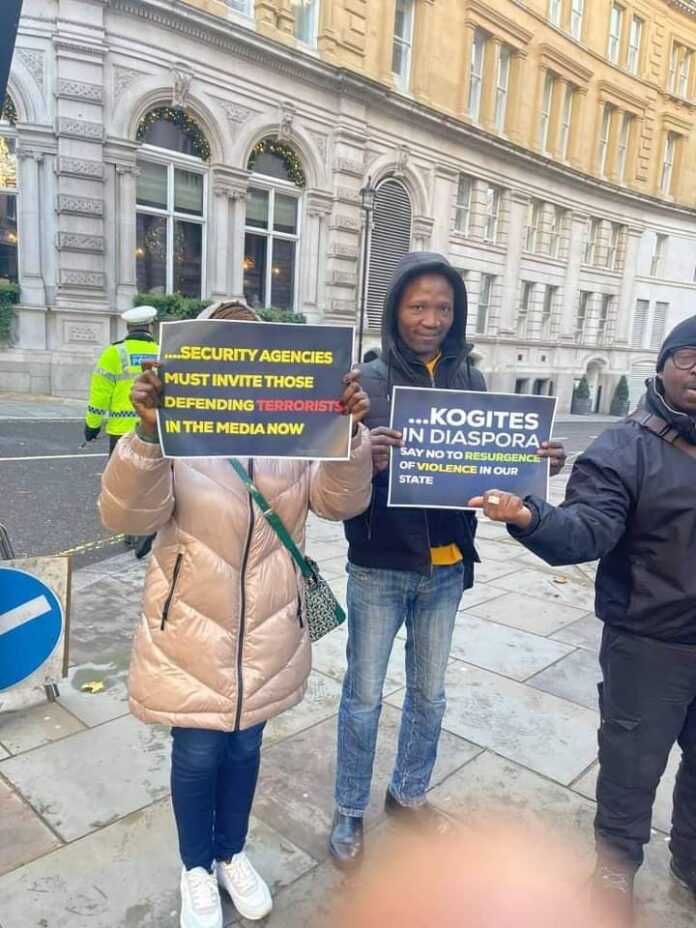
(556, 452)
(91, 434)
(382, 440)
(145, 394)
(503, 507)
(354, 401)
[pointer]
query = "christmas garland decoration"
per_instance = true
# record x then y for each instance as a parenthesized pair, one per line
(9, 110)
(178, 118)
(288, 155)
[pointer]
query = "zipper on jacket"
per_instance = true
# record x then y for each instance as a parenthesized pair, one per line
(242, 604)
(170, 595)
(299, 611)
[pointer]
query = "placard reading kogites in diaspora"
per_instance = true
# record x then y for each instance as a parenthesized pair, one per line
(458, 444)
(254, 389)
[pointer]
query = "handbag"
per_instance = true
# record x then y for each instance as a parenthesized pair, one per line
(323, 612)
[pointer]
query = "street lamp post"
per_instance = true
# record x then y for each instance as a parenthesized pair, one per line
(367, 201)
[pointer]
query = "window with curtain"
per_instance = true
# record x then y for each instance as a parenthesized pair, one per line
(555, 229)
(501, 87)
(684, 74)
(272, 231)
(524, 307)
(566, 122)
(581, 318)
(483, 307)
(657, 264)
(592, 241)
(622, 150)
(403, 37)
(604, 138)
(668, 163)
(555, 12)
(462, 216)
(9, 238)
(490, 228)
(547, 312)
(615, 23)
(306, 21)
(532, 230)
(171, 194)
(606, 308)
(545, 117)
(614, 249)
(634, 41)
(576, 11)
(478, 49)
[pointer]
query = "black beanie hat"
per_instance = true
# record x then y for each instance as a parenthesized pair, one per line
(681, 336)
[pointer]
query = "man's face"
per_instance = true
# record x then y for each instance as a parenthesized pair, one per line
(679, 380)
(425, 314)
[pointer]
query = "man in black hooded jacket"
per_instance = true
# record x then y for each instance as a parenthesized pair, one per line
(405, 565)
(631, 502)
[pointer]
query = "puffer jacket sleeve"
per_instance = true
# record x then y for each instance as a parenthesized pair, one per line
(340, 490)
(593, 517)
(137, 494)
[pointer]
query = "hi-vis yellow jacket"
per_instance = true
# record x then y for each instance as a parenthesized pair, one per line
(109, 390)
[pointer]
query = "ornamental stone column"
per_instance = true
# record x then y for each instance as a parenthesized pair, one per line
(30, 227)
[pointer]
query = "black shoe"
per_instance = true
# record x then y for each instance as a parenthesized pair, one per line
(684, 874)
(144, 543)
(346, 842)
(611, 888)
(422, 818)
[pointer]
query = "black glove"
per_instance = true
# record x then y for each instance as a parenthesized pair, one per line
(91, 434)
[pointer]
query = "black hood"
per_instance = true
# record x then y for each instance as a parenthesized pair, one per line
(410, 266)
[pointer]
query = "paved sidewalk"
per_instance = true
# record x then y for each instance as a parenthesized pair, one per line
(86, 833)
(33, 406)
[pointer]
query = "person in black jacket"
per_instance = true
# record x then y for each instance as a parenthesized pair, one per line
(404, 565)
(631, 502)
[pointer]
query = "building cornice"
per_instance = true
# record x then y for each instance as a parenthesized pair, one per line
(490, 18)
(685, 6)
(555, 59)
(208, 28)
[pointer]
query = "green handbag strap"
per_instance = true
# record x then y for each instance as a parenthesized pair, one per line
(273, 520)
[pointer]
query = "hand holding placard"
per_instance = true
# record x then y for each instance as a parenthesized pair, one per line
(145, 395)
(383, 440)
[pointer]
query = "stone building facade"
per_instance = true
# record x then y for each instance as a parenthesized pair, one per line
(218, 147)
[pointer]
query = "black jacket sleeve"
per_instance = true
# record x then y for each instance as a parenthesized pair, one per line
(599, 498)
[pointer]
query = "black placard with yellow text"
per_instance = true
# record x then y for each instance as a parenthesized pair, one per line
(254, 389)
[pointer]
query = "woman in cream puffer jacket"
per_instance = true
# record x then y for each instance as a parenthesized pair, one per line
(222, 645)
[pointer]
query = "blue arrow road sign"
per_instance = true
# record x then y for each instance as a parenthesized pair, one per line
(31, 624)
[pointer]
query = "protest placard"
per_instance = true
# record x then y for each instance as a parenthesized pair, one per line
(458, 444)
(254, 389)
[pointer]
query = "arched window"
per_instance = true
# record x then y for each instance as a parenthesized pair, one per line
(390, 241)
(171, 198)
(8, 194)
(272, 229)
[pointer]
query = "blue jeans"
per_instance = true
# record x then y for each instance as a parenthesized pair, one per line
(379, 601)
(214, 776)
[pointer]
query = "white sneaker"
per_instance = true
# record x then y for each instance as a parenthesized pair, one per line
(200, 899)
(251, 896)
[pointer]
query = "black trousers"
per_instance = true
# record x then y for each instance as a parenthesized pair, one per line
(647, 701)
(113, 441)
